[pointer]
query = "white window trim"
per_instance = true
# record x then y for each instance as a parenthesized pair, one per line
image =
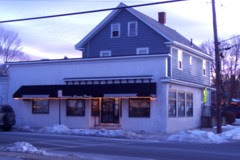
(190, 60)
(180, 59)
(106, 51)
(136, 28)
(143, 48)
(119, 29)
(185, 102)
(204, 67)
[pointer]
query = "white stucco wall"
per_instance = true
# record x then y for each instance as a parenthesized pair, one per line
(180, 123)
(55, 72)
(3, 90)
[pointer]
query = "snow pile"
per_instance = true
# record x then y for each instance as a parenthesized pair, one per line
(232, 134)
(56, 129)
(196, 136)
(24, 147)
(62, 129)
(105, 133)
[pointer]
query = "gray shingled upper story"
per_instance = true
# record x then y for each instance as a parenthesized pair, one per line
(170, 34)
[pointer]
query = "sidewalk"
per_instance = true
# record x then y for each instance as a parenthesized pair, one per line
(25, 156)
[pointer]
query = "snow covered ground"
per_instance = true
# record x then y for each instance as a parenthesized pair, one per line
(23, 147)
(231, 133)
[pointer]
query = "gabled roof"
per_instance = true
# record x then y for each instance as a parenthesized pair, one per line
(168, 33)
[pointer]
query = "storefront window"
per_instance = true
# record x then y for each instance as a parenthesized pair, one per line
(75, 107)
(172, 104)
(189, 105)
(139, 107)
(40, 106)
(181, 104)
(95, 107)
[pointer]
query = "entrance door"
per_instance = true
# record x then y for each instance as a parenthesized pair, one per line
(109, 112)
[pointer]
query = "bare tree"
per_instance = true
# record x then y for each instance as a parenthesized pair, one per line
(230, 58)
(10, 46)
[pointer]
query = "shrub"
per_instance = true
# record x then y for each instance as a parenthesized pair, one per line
(230, 117)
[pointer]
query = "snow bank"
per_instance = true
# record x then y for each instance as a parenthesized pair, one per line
(56, 129)
(62, 129)
(233, 134)
(24, 147)
(196, 136)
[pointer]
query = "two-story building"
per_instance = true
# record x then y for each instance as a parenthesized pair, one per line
(135, 74)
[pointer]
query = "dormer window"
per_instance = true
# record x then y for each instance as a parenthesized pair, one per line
(115, 30)
(144, 50)
(180, 65)
(204, 67)
(106, 53)
(132, 29)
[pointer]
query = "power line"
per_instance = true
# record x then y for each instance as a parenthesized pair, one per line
(229, 38)
(91, 11)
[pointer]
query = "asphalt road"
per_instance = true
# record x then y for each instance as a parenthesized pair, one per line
(122, 149)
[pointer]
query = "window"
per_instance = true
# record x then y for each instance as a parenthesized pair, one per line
(105, 53)
(95, 107)
(172, 104)
(204, 67)
(180, 60)
(40, 106)
(75, 107)
(132, 29)
(139, 107)
(181, 104)
(190, 60)
(143, 50)
(115, 30)
(189, 104)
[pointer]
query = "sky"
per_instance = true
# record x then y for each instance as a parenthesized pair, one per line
(55, 38)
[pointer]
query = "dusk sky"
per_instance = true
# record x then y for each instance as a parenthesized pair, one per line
(56, 37)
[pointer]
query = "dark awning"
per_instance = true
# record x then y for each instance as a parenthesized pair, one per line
(93, 90)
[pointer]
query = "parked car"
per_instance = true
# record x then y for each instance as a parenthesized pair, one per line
(7, 117)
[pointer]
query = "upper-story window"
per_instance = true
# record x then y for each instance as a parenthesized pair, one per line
(106, 53)
(144, 50)
(190, 60)
(204, 67)
(115, 30)
(180, 65)
(132, 29)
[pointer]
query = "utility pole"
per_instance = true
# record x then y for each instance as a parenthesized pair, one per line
(218, 70)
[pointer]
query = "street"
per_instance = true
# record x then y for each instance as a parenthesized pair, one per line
(111, 148)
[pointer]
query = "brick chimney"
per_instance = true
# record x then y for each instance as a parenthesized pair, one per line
(162, 17)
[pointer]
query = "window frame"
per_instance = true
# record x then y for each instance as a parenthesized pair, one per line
(204, 67)
(186, 101)
(96, 113)
(76, 115)
(137, 116)
(178, 101)
(34, 112)
(190, 60)
(142, 48)
(105, 51)
(119, 30)
(136, 28)
(175, 103)
(180, 59)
